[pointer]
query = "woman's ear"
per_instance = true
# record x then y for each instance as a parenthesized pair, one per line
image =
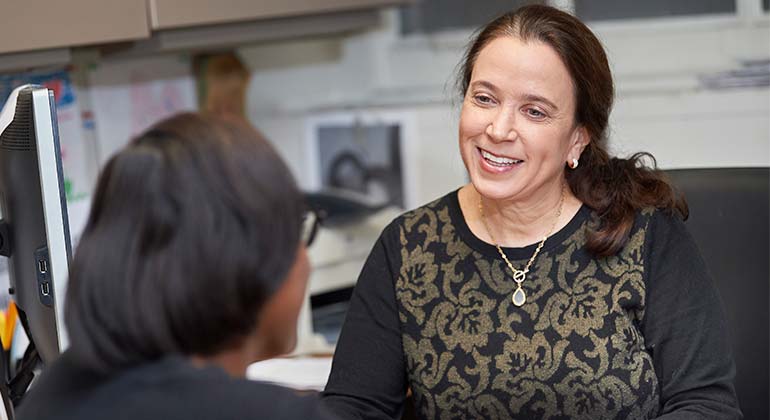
(578, 142)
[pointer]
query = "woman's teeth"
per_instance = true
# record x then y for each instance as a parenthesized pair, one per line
(498, 160)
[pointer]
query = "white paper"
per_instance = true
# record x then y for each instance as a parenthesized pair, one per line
(128, 96)
(305, 373)
(74, 153)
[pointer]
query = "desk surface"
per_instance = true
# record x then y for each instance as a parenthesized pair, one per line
(305, 373)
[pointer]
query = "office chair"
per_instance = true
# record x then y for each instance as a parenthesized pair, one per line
(729, 212)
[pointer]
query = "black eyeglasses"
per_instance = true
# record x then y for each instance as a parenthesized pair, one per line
(310, 222)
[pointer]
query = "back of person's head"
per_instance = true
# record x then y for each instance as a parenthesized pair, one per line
(194, 225)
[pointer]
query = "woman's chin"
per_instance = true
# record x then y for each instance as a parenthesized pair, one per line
(494, 189)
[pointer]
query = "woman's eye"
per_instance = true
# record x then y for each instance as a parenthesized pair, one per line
(483, 99)
(535, 113)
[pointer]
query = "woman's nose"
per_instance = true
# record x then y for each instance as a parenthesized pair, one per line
(502, 127)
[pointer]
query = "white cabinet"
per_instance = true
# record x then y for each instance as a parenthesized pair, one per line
(27, 25)
(168, 14)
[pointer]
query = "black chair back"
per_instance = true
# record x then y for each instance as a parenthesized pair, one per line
(729, 212)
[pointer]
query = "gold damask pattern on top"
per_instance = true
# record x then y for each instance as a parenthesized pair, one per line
(573, 351)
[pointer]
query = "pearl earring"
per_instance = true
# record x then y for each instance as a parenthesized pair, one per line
(574, 163)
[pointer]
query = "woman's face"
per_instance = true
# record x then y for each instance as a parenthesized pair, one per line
(517, 127)
(277, 329)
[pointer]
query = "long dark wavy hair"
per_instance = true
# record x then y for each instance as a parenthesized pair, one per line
(615, 188)
(194, 225)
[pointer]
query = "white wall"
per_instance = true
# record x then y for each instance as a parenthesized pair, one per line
(661, 107)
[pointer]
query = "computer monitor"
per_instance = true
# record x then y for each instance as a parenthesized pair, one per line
(34, 230)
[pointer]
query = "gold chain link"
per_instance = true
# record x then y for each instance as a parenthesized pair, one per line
(539, 246)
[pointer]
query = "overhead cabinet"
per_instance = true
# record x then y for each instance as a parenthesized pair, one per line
(32, 31)
(169, 14)
(27, 25)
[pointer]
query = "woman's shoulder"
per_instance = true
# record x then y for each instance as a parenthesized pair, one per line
(276, 401)
(439, 209)
(171, 385)
(659, 220)
(652, 230)
(662, 232)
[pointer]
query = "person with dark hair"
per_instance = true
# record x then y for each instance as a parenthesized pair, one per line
(560, 283)
(191, 266)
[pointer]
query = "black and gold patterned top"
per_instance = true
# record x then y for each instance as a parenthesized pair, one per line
(637, 335)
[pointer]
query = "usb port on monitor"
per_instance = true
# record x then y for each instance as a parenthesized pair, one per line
(45, 288)
(42, 266)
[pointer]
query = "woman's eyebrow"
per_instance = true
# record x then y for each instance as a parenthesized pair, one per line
(537, 98)
(484, 83)
(530, 97)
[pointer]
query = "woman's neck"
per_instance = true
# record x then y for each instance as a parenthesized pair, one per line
(234, 363)
(235, 359)
(518, 223)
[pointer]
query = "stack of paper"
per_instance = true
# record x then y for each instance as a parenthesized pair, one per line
(305, 373)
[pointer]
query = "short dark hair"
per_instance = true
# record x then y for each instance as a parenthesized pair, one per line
(194, 225)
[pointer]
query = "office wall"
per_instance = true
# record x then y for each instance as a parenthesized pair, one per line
(664, 104)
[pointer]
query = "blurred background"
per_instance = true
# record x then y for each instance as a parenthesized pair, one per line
(358, 96)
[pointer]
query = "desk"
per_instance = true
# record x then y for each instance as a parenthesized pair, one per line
(303, 373)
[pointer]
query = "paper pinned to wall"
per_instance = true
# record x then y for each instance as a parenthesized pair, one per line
(128, 96)
(75, 156)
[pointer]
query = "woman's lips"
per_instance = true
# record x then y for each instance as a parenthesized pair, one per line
(496, 163)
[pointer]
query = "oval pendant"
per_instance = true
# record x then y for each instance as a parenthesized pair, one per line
(519, 297)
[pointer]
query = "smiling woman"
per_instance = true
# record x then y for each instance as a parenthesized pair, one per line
(559, 283)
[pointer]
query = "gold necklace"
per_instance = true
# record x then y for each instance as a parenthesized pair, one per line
(519, 296)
